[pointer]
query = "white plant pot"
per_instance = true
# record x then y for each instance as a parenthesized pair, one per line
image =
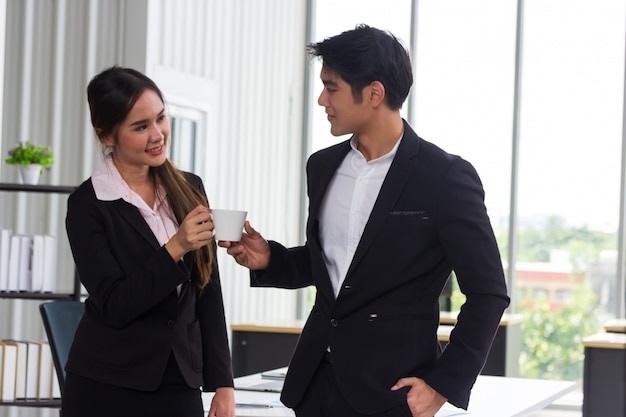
(30, 174)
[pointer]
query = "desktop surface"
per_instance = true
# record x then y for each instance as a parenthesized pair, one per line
(492, 396)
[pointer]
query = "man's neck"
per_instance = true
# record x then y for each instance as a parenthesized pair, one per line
(380, 138)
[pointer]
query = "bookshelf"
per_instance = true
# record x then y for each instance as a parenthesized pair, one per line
(74, 295)
(59, 189)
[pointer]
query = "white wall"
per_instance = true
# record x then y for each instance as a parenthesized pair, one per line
(245, 62)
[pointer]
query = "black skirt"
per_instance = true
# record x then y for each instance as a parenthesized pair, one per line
(84, 397)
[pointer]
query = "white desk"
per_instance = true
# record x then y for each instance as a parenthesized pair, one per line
(492, 396)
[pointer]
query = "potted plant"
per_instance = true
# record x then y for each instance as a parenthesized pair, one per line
(32, 159)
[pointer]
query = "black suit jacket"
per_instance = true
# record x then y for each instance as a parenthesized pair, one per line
(428, 220)
(133, 317)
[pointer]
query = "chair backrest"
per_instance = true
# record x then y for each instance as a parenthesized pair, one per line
(60, 320)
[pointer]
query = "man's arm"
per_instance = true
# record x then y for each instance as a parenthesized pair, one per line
(470, 246)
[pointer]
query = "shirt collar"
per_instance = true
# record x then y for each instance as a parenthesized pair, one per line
(108, 182)
(109, 185)
(354, 144)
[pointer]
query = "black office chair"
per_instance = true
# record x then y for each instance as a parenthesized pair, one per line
(60, 320)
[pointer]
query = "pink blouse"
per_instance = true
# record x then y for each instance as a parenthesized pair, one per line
(109, 185)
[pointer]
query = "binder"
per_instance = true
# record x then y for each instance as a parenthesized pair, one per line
(50, 264)
(25, 267)
(9, 371)
(45, 372)
(20, 377)
(5, 248)
(38, 270)
(32, 369)
(14, 263)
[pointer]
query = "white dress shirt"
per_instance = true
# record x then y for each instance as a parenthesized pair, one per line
(347, 206)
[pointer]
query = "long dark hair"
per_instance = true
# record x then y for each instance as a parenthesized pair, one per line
(111, 96)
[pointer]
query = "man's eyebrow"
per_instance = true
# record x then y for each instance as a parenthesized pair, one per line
(329, 82)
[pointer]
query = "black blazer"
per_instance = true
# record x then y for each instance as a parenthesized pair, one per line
(133, 317)
(428, 220)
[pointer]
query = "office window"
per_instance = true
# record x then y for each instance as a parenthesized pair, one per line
(570, 141)
(187, 145)
(570, 135)
(464, 90)
(569, 162)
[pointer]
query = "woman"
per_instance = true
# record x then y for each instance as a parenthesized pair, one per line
(141, 235)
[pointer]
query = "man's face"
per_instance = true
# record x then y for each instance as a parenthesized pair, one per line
(344, 114)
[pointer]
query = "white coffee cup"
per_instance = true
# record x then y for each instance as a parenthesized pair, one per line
(228, 224)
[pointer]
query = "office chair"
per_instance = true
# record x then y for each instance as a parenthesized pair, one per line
(60, 320)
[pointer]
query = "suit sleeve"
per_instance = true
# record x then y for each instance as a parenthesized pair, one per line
(288, 268)
(217, 368)
(470, 246)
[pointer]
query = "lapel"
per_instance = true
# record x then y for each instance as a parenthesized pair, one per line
(319, 180)
(132, 216)
(319, 177)
(399, 172)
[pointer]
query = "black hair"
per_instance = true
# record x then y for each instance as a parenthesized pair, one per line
(113, 93)
(365, 54)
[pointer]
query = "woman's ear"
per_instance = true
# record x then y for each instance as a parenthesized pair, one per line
(106, 140)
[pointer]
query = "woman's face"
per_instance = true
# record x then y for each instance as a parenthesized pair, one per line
(142, 137)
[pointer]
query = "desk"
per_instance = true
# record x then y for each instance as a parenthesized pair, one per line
(269, 345)
(503, 359)
(615, 326)
(604, 373)
(258, 347)
(492, 396)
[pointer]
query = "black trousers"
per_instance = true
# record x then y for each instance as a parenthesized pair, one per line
(323, 398)
(84, 397)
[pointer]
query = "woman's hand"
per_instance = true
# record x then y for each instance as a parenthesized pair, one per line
(252, 251)
(223, 403)
(194, 232)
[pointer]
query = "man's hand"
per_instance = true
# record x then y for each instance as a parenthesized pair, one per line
(223, 403)
(422, 399)
(252, 251)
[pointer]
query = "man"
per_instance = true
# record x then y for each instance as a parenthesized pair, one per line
(390, 216)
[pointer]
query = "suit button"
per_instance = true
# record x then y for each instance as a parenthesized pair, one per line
(334, 322)
(171, 323)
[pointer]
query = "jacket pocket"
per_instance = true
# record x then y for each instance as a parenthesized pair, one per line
(372, 317)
